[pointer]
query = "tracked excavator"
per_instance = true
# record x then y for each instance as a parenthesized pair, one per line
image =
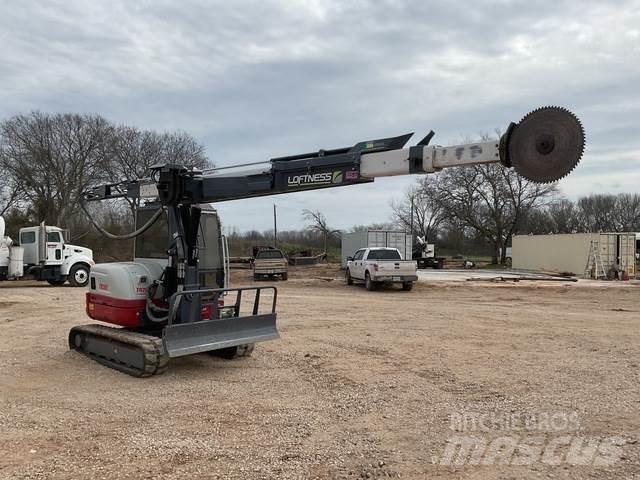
(174, 300)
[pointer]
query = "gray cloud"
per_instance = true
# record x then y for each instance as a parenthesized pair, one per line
(254, 80)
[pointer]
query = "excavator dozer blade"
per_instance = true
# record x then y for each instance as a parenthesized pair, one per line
(207, 335)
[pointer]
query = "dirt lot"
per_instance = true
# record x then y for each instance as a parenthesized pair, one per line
(361, 385)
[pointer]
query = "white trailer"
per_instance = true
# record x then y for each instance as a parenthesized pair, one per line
(43, 255)
(570, 252)
(352, 242)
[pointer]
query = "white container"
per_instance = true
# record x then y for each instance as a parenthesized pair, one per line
(570, 252)
(376, 238)
(4, 255)
(16, 262)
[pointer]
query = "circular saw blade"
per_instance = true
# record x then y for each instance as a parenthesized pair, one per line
(547, 144)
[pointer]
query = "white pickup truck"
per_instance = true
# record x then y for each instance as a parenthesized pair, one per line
(375, 266)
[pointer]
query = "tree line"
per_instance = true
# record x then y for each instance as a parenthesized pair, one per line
(47, 161)
(314, 238)
(483, 206)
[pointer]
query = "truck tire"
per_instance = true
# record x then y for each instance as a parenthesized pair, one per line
(285, 276)
(79, 275)
(348, 277)
(368, 283)
(256, 277)
(407, 286)
(56, 283)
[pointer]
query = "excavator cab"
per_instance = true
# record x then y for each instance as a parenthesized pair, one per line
(153, 244)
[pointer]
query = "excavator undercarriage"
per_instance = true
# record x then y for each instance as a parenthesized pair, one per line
(137, 354)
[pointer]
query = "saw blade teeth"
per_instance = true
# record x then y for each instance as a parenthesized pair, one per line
(527, 145)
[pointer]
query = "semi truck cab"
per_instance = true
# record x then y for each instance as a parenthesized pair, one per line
(44, 255)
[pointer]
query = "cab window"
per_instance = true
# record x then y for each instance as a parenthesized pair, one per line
(27, 237)
(263, 254)
(384, 255)
(154, 242)
(358, 255)
(53, 237)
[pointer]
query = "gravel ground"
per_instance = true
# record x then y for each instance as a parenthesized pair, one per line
(361, 385)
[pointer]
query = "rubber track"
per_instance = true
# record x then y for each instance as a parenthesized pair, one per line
(155, 356)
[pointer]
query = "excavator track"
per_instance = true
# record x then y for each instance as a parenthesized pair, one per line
(130, 352)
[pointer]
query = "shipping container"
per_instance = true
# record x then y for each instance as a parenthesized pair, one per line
(351, 242)
(570, 252)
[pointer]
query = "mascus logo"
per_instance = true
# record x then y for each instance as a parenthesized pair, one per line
(326, 178)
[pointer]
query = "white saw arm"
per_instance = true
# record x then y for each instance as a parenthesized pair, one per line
(427, 159)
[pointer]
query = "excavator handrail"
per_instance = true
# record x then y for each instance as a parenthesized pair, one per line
(217, 293)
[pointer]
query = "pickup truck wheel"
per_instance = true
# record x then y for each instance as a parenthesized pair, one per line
(347, 276)
(79, 275)
(407, 286)
(368, 283)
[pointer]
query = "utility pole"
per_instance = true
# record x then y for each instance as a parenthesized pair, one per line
(275, 227)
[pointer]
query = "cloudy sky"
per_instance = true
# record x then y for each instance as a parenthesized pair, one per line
(257, 79)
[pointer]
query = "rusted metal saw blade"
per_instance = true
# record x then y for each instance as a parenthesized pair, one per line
(547, 144)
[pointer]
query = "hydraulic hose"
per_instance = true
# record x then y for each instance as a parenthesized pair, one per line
(126, 236)
(152, 316)
(155, 313)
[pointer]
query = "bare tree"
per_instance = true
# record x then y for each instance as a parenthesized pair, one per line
(597, 213)
(419, 205)
(132, 153)
(10, 190)
(608, 213)
(181, 148)
(537, 221)
(372, 226)
(564, 216)
(318, 223)
(490, 200)
(628, 209)
(52, 158)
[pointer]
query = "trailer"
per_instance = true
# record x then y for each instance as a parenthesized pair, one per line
(351, 242)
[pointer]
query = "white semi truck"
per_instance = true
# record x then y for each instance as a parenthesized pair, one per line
(42, 254)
